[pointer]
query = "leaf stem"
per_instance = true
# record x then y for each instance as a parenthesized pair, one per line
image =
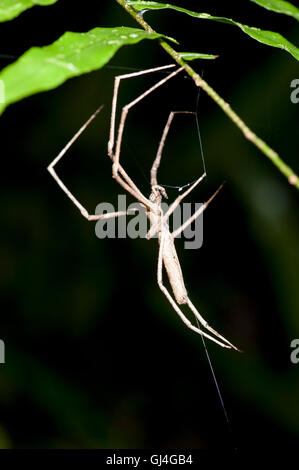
(198, 80)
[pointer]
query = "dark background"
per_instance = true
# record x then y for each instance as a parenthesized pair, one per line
(95, 355)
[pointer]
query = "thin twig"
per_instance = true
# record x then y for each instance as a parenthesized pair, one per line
(248, 133)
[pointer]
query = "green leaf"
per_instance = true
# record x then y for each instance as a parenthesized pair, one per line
(269, 38)
(44, 68)
(280, 6)
(9, 9)
(196, 55)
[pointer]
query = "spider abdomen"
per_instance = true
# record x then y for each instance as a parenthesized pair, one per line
(174, 271)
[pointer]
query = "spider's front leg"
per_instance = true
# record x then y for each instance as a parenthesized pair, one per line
(123, 179)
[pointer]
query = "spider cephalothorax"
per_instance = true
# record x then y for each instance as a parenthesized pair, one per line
(158, 192)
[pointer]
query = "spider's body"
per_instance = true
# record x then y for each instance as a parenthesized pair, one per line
(173, 268)
(170, 257)
(167, 252)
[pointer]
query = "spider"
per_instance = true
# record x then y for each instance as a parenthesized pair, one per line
(167, 257)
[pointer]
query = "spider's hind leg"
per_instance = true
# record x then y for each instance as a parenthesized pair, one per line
(222, 341)
(204, 323)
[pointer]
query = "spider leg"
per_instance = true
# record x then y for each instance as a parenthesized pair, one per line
(115, 156)
(115, 96)
(179, 199)
(173, 303)
(195, 215)
(157, 160)
(75, 201)
(125, 181)
(174, 205)
(207, 326)
(156, 166)
(188, 301)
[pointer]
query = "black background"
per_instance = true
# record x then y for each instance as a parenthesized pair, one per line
(95, 355)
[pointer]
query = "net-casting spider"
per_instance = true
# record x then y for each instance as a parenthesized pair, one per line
(167, 252)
